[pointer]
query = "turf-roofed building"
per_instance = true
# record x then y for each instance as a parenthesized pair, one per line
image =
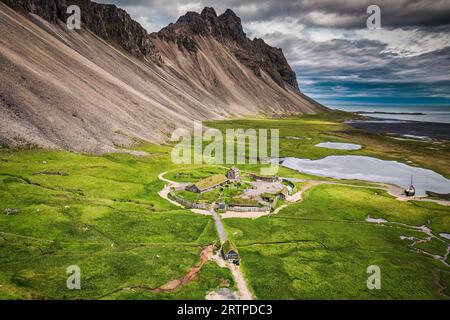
(208, 183)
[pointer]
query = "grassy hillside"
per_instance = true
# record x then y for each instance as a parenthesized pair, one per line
(321, 247)
(104, 214)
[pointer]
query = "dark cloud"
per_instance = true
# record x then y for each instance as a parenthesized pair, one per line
(330, 48)
(350, 68)
(331, 13)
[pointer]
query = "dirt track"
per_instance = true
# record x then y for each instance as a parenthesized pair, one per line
(172, 285)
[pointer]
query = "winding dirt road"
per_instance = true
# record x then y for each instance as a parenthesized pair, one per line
(243, 292)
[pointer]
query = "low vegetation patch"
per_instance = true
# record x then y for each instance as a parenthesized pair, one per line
(104, 215)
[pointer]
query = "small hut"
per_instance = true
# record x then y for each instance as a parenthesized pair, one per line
(229, 252)
(221, 207)
(208, 183)
(233, 174)
(285, 192)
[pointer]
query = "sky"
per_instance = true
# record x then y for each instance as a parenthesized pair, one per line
(338, 60)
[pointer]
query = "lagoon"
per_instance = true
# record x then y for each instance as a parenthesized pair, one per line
(373, 170)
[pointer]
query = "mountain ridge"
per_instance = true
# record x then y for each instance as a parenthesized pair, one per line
(254, 54)
(94, 92)
(105, 20)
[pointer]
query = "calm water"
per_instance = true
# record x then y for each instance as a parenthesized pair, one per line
(429, 114)
(372, 169)
(339, 145)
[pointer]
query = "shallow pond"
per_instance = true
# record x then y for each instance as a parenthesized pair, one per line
(373, 220)
(445, 235)
(339, 145)
(372, 169)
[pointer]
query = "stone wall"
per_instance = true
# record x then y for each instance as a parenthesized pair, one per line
(188, 204)
(247, 209)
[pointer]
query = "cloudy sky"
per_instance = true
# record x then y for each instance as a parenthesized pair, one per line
(338, 60)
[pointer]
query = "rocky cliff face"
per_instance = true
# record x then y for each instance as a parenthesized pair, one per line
(115, 25)
(105, 20)
(227, 29)
(70, 89)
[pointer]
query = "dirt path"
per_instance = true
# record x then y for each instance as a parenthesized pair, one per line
(172, 285)
(164, 193)
(200, 211)
(243, 291)
(298, 195)
(246, 215)
(161, 177)
(219, 226)
(175, 284)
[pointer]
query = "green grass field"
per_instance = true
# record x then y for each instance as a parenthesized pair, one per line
(104, 216)
(103, 213)
(330, 126)
(225, 193)
(320, 248)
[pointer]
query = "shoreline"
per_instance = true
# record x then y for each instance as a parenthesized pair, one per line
(420, 130)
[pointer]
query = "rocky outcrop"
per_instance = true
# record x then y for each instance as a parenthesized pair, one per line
(105, 20)
(227, 29)
(47, 9)
(115, 25)
(69, 89)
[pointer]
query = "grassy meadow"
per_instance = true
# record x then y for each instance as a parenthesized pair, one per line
(310, 130)
(104, 214)
(321, 247)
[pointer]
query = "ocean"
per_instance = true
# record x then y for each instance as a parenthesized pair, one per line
(440, 114)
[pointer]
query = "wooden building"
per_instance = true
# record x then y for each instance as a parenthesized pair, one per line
(233, 174)
(208, 183)
(229, 252)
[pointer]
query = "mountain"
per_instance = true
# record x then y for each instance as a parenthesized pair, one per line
(227, 30)
(111, 83)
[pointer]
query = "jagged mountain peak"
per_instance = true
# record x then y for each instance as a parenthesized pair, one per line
(208, 13)
(111, 83)
(230, 13)
(227, 25)
(188, 17)
(234, 24)
(227, 29)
